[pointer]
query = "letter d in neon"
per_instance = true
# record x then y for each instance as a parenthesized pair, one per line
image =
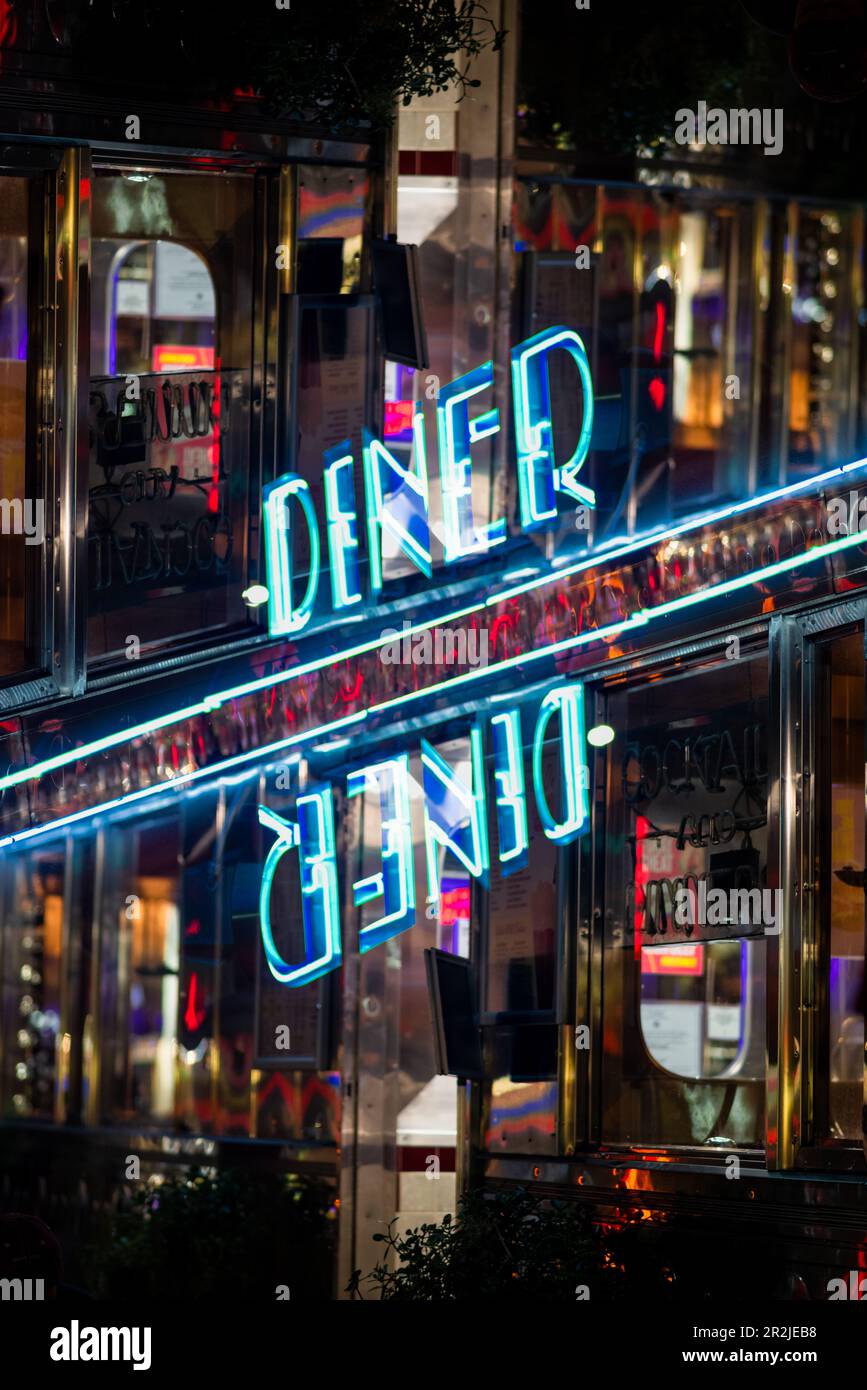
(568, 702)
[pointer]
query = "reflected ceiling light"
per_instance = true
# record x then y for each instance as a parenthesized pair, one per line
(600, 735)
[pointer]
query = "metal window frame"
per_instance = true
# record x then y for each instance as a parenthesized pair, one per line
(796, 994)
(564, 895)
(273, 225)
(581, 1104)
(792, 1019)
(57, 387)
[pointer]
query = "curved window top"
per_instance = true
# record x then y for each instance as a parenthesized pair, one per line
(173, 459)
(154, 309)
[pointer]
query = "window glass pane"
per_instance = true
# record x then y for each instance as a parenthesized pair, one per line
(820, 382)
(332, 210)
(171, 385)
(332, 405)
(33, 888)
(521, 948)
(394, 1017)
(841, 933)
(22, 523)
(140, 959)
(712, 352)
(687, 906)
(520, 1101)
(702, 1005)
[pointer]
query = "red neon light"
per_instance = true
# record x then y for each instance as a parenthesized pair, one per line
(660, 330)
(398, 417)
(192, 1019)
(168, 355)
(680, 960)
(455, 906)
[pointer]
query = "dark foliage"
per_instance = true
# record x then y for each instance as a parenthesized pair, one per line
(514, 1246)
(606, 84)
(225, 1234)
(617, 86)
(333, 64)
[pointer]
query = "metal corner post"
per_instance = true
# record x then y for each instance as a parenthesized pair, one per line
(73, 195)
(786, 1054)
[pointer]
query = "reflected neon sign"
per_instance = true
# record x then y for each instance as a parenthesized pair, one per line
(455, 820)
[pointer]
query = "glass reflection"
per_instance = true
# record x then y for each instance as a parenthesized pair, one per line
(842, 931)
(171, 387)
(22, 522)
(684, 996)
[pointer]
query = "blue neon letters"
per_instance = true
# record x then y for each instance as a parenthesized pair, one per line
(395, 883)
(539, 479)
(342, 526)
(455, 818)
(396, 493)
(568, 701)
(283, 617)
(456, 433)
(313, 836)
(454, 815)
(509, 794)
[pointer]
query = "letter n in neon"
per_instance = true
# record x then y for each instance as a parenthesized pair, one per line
(397, 501)
(454, 814)
(394, 883)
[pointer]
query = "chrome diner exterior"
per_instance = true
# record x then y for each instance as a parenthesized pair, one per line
(672, 705)
(726, 655)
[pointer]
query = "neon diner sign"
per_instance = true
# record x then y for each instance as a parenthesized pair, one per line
(397, 507)
(455, 819)
(396, 494)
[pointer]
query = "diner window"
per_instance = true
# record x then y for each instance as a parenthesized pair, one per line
(159, 924)
(291, 1043)
(712, 352)
(172, 385)
(689, 907)
(22, 500)
(333, 209)
(521, 935)
(31, 939)
(140, 971)
(840, 847)
(821, 405)
(395, 1027)
(333, 404)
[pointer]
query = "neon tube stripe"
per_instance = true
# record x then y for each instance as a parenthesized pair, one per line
(215, 701)
(640, 619)
(165, 788)
(602, 556)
